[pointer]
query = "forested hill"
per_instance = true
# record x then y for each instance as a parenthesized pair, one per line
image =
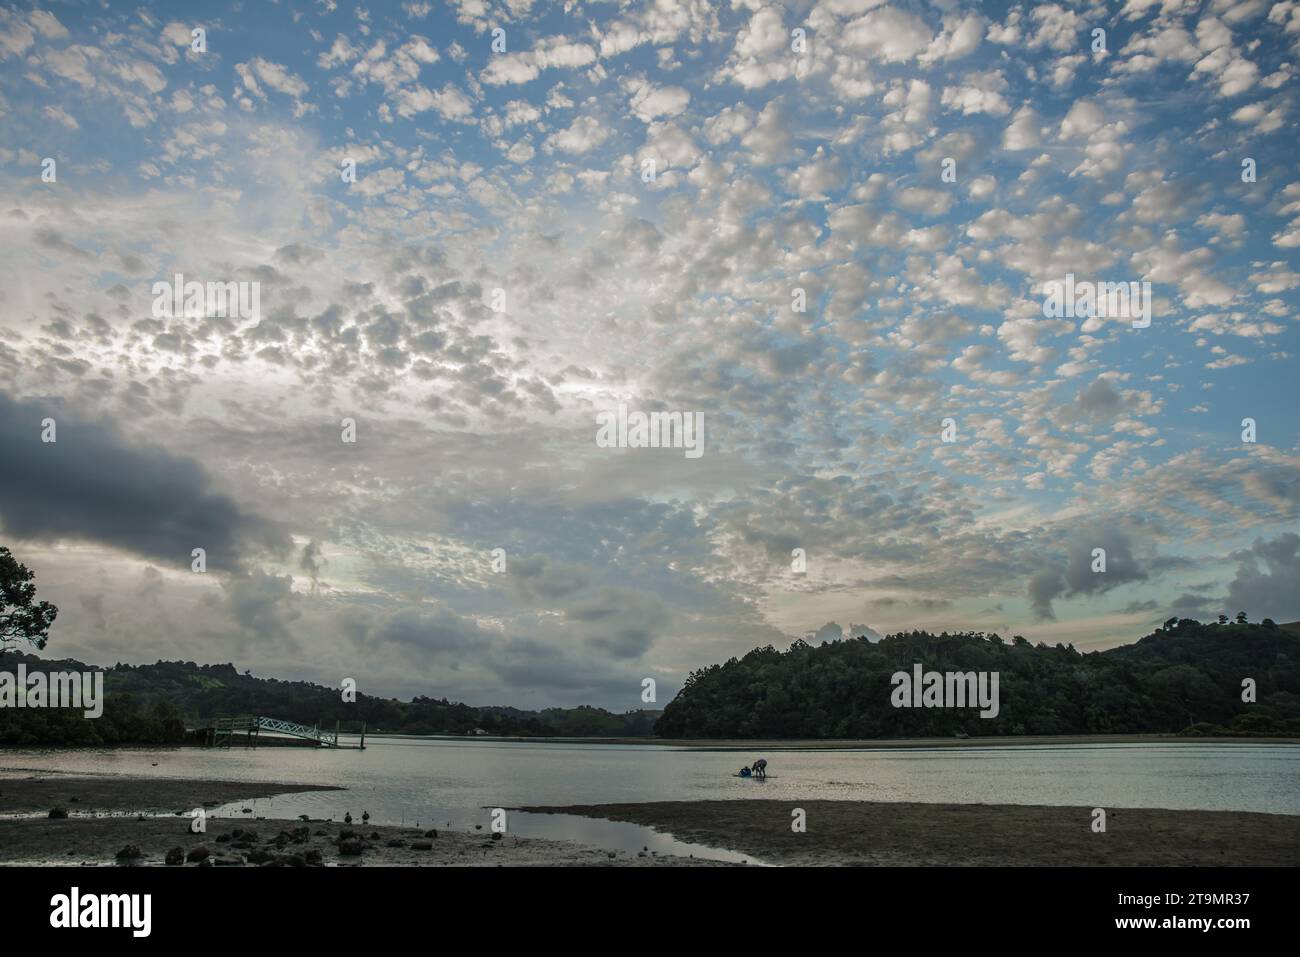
(1187, 677)
(150, 704)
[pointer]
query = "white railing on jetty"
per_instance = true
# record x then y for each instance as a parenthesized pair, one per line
(222, 730)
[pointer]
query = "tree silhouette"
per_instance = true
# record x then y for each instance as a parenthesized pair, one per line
(21, 616)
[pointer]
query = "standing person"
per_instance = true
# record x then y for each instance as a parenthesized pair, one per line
(760, 768)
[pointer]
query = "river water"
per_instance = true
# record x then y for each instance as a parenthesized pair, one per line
(440, 782)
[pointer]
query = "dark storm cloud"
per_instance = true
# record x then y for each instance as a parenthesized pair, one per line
(1078, 578)
(93, 485)
(1268, 576)
(1044, 588)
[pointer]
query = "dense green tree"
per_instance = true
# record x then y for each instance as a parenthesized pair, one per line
(22, 617)
(153, 704)
(1184, 675)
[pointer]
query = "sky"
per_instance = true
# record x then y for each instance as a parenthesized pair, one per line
(824, 229)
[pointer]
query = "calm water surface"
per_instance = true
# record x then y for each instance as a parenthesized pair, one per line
(440, 782)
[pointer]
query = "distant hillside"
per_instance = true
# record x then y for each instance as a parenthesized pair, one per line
(1187, 678)
(150, 704)
(1184, 678)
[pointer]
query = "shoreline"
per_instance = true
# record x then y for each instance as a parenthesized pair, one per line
(39, 790)
(884, 834)
(152, 814)
(112, 812)
(265, 842)
(736, 744)
(861, 744)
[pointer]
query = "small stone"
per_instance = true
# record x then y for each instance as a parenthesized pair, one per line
(197, 854)
(175, 856)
